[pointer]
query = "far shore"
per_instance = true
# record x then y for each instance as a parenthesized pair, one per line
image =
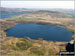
(14, 22)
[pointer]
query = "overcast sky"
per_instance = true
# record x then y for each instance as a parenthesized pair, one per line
(38, 4)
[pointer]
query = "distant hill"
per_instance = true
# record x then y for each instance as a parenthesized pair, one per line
(12, 10)
(39, 13)
(68, 11)
(52, 14)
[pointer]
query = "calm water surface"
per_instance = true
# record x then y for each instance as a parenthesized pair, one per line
(35, 31)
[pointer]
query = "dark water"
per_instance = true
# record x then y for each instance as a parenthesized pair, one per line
(2, 16)
(35, 31)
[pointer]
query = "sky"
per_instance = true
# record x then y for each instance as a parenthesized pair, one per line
(38, 4)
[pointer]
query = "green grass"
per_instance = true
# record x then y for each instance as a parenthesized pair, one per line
(24, 44)
(27, 19)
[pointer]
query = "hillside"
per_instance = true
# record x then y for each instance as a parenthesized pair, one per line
(24, 46)
(46, 15)
(11, 12)
(51, 14)
(68, 11)
(4, 10)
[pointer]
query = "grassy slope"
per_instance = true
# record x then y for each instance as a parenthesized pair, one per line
(23, 46)
(15, 46)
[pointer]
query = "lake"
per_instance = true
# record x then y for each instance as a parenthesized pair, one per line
(2, 16)
(35, 31)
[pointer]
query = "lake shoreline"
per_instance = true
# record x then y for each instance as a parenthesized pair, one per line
(14, 22)
(43, 23)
